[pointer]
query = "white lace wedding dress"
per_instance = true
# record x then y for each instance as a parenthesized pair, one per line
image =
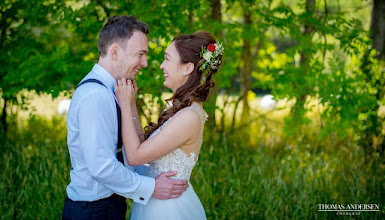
(188, 205)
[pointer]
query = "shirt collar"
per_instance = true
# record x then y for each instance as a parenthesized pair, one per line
(108, 79)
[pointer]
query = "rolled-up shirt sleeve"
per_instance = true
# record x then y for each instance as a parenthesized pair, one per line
(97, 120)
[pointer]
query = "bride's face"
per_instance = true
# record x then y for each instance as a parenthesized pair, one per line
(173, 69)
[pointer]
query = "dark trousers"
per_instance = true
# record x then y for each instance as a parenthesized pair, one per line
(113, 207)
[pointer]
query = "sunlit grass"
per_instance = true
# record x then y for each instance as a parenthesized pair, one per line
(254, 172)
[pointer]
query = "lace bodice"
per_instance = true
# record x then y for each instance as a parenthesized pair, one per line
(177, 160)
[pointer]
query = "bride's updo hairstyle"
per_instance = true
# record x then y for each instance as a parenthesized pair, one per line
(189, 48)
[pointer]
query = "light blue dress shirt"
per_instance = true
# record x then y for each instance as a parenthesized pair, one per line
(92, 140)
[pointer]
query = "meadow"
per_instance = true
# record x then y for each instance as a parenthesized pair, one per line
(254, 172)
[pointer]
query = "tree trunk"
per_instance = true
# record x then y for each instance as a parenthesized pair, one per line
(216, 13)
(4, 125)
(210, 105)
(233, 121)
(190, 16)
(377, 27)
(246, 69)
(298, 110)
(374, 124)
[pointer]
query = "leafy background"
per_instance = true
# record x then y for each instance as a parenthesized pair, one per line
(323, 61)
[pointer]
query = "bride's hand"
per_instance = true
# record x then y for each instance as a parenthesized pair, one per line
(135, 86)
(125, 92)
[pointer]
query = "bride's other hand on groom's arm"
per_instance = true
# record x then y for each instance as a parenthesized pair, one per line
(167, 188)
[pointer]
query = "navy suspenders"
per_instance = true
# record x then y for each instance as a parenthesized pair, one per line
(119, 153)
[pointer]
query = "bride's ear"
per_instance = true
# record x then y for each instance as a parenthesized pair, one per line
(189, 68)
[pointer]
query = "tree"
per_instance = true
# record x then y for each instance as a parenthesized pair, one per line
(372, 66)
(300, 52)
(377, 27)
(26, 60)
(214, 24)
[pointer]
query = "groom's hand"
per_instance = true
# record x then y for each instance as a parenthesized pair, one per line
(167, 188)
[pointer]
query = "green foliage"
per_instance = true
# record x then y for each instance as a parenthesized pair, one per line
(298, 54)
(318, 66)
(34, 54)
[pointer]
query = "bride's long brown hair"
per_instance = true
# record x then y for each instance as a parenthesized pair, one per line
(189, 48)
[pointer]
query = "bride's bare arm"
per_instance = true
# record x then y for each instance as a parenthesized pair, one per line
(137, 124)
(183, 127)
(135, 114)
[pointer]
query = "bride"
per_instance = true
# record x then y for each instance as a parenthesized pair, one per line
(175, 141)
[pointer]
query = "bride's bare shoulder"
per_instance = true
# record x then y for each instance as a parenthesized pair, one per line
(188, 115)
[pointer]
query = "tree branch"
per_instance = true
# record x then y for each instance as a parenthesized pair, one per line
(253, 120)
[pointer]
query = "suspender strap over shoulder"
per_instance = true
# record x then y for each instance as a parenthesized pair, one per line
(119, 153)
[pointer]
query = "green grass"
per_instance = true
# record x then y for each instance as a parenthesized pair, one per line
(244, 175)
(35, 170)
(236, 181)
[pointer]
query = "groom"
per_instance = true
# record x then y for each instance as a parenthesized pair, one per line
(100, 183)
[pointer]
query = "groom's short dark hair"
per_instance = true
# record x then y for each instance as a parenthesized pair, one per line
(118, 29)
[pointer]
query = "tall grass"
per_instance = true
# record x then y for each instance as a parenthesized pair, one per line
(243, 175)
(238, 181)
(35, 169)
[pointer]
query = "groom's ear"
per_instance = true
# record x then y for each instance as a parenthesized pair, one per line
(113, 52)
(189, 68)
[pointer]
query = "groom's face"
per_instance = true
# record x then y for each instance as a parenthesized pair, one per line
(134, 56)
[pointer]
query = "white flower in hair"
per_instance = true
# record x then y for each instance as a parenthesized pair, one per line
(207, 56)
(210, 54)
